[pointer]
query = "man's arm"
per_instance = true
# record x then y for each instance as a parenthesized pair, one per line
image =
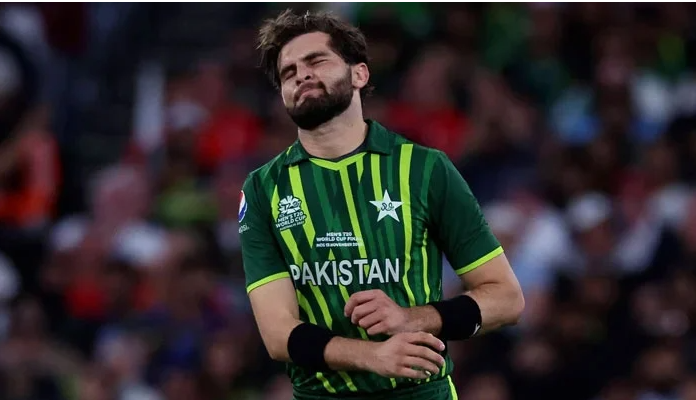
(497, 291)
(493, 286)
(277, 314)
(463, 234)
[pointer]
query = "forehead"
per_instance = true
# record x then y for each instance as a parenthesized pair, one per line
(301, 46)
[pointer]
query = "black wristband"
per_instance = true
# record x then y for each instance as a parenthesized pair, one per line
(461, 317)
(306, 346)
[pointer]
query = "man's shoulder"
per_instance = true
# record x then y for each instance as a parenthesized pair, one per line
(418, 149)
(267, 173)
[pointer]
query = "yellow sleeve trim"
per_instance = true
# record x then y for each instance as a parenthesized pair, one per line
(498, 251)
(268, 279)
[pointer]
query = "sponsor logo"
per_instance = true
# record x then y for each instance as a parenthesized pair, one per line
(476, 329)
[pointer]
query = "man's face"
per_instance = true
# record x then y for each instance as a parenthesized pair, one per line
(316, 84)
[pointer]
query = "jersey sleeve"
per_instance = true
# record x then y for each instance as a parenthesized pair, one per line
(456, 219)
(261, 256)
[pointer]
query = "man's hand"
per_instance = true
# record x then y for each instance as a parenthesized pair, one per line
(375, 312)
(407, 355)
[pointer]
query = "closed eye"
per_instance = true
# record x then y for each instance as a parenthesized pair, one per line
(287, 74)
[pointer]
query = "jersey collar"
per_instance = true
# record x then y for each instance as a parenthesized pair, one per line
(379, 140)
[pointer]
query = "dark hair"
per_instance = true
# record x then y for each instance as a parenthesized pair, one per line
(346, 40)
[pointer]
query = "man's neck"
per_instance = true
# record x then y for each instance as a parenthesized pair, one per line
(335, 138)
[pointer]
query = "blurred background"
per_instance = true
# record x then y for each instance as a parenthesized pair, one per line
(126, 131)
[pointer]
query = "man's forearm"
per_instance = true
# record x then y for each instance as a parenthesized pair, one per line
(424, 319)
(343, 354)
(499, 306)
(340, 353)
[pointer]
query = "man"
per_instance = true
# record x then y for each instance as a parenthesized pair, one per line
(342, 235)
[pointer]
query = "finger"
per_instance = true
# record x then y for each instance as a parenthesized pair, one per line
(421, 365)
(410, 373)
(358, 298)
(425, 353)
(363, 310)
(426, 339)
(378, 329)
(371, 319)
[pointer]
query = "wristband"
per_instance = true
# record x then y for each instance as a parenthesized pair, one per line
(306, 346)
(461, 317)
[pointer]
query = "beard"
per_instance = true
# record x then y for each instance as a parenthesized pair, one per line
(315, 111)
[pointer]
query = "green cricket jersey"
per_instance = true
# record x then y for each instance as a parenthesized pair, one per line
(379, 219)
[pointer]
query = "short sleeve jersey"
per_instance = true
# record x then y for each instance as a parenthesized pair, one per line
(379, 219)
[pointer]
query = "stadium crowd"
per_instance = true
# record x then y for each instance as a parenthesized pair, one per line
(574, 124)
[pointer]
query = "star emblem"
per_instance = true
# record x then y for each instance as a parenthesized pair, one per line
(386, 207)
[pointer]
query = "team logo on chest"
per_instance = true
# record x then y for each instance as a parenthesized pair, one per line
(387, 207)
(290, 213)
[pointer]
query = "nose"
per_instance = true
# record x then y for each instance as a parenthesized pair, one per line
(304, 73)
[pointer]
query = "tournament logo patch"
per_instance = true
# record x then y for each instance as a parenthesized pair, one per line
(290, 213)
(242, 206)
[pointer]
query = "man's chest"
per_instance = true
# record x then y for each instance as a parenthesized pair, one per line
(359, 218)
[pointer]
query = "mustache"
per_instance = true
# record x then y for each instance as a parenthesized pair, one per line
(308, 86)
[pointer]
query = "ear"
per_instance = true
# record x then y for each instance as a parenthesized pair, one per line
(360, 75)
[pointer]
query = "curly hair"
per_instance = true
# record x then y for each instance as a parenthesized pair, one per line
(345, 39)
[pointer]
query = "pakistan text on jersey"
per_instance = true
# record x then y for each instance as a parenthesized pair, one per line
(344, 272)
